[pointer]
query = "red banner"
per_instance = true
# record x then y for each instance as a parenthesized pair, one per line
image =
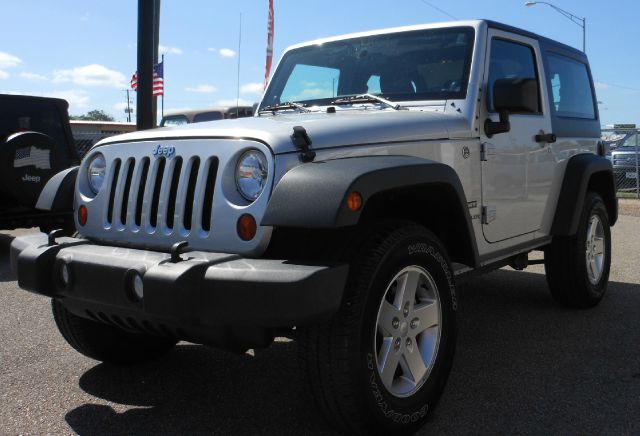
(270, 31)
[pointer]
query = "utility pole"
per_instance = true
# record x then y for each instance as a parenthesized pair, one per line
(156, 44)
(129, 110)
(148, 33)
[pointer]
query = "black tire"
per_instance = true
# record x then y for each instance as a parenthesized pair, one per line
(340, 355)
(66, 224)
(565, 260)
(107, 343)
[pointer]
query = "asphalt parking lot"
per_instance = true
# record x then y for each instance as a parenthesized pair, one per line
(523, 366)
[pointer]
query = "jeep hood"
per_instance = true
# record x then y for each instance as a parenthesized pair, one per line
(343, 128)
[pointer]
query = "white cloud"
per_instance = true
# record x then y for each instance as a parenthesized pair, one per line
(171, 50)
(202, 89)
(4, 75)
(226, 53)
(232, 102)
(601, 85)
(33, 76)
(120, 107)
(85, 17)
(91, 75)
(252, 88)
(78, 99)
(212, 50)
(8, 60)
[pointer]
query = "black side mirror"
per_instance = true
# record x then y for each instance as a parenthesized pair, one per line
(512, 95)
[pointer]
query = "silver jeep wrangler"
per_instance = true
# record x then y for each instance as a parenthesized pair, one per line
(381, 168)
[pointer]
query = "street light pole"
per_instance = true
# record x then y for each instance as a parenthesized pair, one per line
(582, 22)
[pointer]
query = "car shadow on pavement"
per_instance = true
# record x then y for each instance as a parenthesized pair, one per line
(6, 275)
(523, 366)
(196, 390)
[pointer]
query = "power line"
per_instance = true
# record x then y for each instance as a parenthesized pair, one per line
(622, 87)
(438, 9)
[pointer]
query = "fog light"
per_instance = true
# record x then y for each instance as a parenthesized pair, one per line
(137, 286)
(246, 227)
(65, 274)
(83, 215)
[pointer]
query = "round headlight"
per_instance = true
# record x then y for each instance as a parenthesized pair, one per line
(251, 174)
(96, 172)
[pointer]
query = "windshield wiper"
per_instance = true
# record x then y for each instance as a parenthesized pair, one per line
(284, 106)
(367, 98)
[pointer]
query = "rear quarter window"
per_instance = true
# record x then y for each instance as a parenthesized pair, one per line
(571, 87)
(207, 116)
(38, 116)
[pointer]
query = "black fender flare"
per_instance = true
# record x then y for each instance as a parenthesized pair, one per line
(57, 195)
(583, 172)
(314, 195)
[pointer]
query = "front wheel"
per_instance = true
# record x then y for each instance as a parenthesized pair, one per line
(380, 364)
(577, 266)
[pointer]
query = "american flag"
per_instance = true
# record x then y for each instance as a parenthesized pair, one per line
(32, 156)
(158, 80)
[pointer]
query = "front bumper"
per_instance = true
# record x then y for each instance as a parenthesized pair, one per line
(215, 298)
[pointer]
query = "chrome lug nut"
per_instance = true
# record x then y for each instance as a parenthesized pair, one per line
(395, 323)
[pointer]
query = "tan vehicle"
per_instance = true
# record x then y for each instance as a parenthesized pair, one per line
(208, 114)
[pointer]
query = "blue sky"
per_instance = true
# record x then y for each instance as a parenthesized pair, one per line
(85, 51)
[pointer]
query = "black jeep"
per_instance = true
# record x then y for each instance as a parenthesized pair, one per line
(36, 144)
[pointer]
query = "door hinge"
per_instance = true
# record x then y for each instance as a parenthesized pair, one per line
(488, 214)
(486, 150)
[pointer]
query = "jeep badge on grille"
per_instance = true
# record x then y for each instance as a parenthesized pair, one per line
(167, 151)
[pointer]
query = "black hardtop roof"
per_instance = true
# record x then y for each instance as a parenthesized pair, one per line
(546, 43)
(61, 103)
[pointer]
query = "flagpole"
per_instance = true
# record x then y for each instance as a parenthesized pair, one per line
(238, 80)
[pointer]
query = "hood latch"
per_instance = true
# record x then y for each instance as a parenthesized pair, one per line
(302, 141)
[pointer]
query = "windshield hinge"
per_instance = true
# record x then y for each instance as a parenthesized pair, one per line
(302, 141)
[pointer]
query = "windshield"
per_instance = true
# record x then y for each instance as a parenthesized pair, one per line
(174, 120)
(630, 141)
(406, 66)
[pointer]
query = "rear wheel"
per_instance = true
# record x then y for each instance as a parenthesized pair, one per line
(577, 266)
(381, 363)
(105, 342)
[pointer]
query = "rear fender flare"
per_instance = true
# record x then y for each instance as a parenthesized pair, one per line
(583, 172)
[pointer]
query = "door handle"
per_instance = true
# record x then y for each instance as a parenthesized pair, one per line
(548, 138)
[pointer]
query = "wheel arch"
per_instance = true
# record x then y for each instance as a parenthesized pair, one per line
(313, 196)
(584, 173)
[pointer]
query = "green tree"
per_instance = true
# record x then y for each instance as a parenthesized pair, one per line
(94, 115)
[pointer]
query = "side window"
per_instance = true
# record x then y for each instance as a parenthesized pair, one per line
(373, 85)
(572, 96)
(310, 82)
(510, 60)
